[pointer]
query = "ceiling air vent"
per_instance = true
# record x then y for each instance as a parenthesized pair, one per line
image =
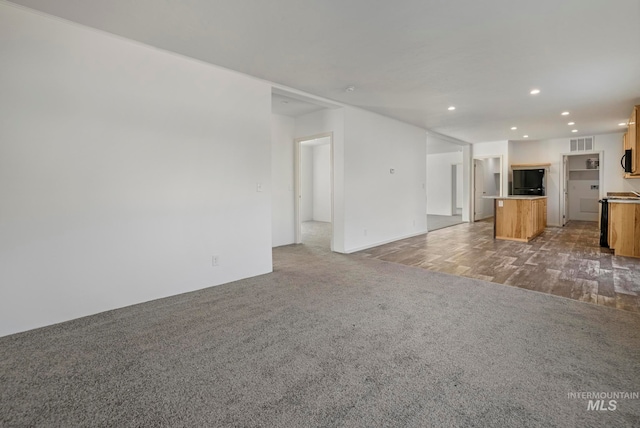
(584, 144)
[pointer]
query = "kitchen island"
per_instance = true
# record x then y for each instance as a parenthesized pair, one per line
(519, 218)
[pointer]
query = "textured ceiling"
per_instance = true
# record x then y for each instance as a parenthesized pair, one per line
(411, 59)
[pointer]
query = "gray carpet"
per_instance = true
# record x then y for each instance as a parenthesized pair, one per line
(316, 233)
(328, 340)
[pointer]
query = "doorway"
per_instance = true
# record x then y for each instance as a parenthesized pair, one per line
(487, 181)
(314, 191)
(457, 193)
(582, 177)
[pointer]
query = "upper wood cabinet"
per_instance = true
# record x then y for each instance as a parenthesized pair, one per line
(631, 141)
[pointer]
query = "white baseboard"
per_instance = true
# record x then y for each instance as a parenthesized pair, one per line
(365, 247)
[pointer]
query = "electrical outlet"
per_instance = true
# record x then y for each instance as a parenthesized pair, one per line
(365, 232)
(215, 260)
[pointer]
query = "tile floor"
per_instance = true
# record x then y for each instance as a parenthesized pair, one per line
(565, 262)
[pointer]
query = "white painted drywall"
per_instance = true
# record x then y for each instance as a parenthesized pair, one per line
(459, 187)
(467, 162)
(306, 183)
(389, 206)
(282, 180)
(322, 182)
(123, 169)
(322, 122)
(439, 182)
(493, 149)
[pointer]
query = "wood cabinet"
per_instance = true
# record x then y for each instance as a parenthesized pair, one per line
(520, 218)
(631, 140)
(624, 228)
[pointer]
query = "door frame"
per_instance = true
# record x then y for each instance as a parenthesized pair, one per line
(473, 181)
(455, 168)
(297, 182)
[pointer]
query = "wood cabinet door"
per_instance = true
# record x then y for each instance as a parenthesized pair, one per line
(624, 229)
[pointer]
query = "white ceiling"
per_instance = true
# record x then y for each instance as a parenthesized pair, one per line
(411, 59)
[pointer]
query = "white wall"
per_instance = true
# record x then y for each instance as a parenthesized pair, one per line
(496, 149)
(282, 180)
(467, 162)
(551, 151)
(388, 206)
(439, 182)
(306, 183)
(123, 169)
(459, 187)
(322, 182)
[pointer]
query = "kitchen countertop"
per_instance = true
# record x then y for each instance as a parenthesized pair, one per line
(529, 197)
(623, 197)
(622, 200)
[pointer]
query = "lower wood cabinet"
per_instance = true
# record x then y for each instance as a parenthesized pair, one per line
(624, 229)
(520, 219)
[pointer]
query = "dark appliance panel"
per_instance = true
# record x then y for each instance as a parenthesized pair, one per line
(625, 162)
(528, 182)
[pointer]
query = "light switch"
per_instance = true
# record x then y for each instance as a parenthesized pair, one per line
(501, 203)
(259, 187)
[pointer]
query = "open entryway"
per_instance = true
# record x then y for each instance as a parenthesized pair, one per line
(487, 181)
(314, 191)
(446, 191)
(580, 186)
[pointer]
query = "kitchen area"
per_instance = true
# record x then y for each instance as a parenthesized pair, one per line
(595, 186)
(620, 211)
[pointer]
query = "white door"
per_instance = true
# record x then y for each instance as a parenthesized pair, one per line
(478, 180)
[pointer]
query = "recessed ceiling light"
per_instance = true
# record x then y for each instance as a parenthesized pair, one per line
(571, 123)
(350, 88)
(565, 113)
(525, 136)
(574, 130)
(451, 108)
(622, 124)
(535, 91)
(513, 128)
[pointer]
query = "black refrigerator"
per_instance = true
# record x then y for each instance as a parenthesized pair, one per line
(528, 182)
